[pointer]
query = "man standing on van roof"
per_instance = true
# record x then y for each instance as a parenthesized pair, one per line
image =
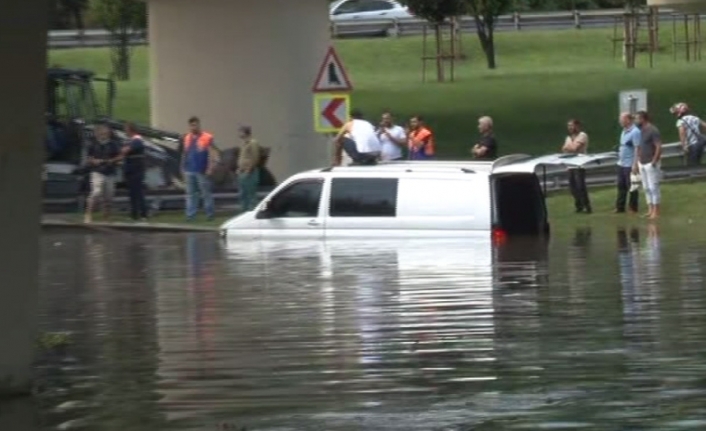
(420, 140)
(393, 139)
(358, 139)
(487, 146)
(629, 141)
(577, 143)
(198, 161)
(690, 133)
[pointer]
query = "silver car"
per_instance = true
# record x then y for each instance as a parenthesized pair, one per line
(383, 13)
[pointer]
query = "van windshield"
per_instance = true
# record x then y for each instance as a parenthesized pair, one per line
(518, 204)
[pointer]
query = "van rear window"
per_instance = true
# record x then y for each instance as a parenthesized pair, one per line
(363, 197)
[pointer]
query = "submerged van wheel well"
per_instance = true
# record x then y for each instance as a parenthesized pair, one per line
(518, 204)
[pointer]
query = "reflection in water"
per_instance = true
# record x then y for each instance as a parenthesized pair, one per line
(180, 332)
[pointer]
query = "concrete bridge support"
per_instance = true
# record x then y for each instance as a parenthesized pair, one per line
(234, 62)
(23, 39)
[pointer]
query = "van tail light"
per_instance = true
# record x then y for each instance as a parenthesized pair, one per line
(499, 235)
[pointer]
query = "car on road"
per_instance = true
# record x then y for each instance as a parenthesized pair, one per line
(347, 12)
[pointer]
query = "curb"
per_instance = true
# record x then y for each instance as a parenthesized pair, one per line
(112, 227)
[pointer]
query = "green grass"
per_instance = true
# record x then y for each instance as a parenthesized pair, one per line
(543, 79)
(683, 207)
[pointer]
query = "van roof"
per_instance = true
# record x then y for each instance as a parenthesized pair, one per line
(506, 164)
(464, 166)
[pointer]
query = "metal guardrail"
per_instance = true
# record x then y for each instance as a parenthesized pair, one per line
(601, 175)
(605, 175)
(399, 27)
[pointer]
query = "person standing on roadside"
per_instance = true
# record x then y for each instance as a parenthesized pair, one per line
(649, 156)
(199, 158)
(134, 168)
(487, 146)
(629, 141)
(393, 139)
(576, 142)
(420, 140)
(691, 134)
(248, 169)
(103, 155)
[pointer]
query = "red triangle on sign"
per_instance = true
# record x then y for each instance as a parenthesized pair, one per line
(332, 75)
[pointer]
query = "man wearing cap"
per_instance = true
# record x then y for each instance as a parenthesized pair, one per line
(690, 133)
(248, 169)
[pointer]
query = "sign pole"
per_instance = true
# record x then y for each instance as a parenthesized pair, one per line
(332, 102)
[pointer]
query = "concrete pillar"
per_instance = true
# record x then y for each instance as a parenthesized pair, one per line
(23, 38)
(234, 62)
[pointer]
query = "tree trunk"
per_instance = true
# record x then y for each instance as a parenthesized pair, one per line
(54, 18)
(78, 20)
(487, 41)
(439, 53)
(121, 55)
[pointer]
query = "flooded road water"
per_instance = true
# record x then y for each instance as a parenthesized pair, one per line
(183, 332)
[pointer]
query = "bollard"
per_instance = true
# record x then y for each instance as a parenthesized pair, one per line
(632, 104)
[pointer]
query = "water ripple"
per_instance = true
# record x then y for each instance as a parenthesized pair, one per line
(173, 332)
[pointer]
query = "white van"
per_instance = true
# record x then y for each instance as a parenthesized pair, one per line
(401, 199)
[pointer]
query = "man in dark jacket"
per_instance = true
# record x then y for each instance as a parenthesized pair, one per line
(134, 169)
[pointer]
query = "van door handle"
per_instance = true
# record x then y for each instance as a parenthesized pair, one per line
(313, 223)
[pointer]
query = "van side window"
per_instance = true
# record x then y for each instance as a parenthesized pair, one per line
(299, 199)
(363, 197)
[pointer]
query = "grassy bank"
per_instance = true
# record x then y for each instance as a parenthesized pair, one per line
(683, 209)
(543, 79)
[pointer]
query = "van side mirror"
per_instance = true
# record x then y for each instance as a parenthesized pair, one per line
(264, 212)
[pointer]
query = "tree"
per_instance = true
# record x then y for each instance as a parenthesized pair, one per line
(436, 12)
(125, 20)
(76, 9)
(485, 12)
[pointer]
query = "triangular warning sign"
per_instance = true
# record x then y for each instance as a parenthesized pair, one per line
(332, 75)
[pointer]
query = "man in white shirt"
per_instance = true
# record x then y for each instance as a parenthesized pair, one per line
(393, 139)
(359, 140)
(690, 133)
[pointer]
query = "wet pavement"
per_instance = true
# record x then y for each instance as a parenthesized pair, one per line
(595, 330)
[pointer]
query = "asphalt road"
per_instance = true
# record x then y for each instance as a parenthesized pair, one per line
(552, 21)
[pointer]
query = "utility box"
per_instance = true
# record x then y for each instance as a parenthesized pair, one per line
(632, 101)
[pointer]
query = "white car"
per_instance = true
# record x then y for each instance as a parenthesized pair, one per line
(347, 12)
(399, 199)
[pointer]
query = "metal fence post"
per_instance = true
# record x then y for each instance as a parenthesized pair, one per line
(577, 20)
(516, 20)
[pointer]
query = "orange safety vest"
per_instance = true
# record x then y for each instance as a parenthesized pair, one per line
(421, 143)
(203, 142)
